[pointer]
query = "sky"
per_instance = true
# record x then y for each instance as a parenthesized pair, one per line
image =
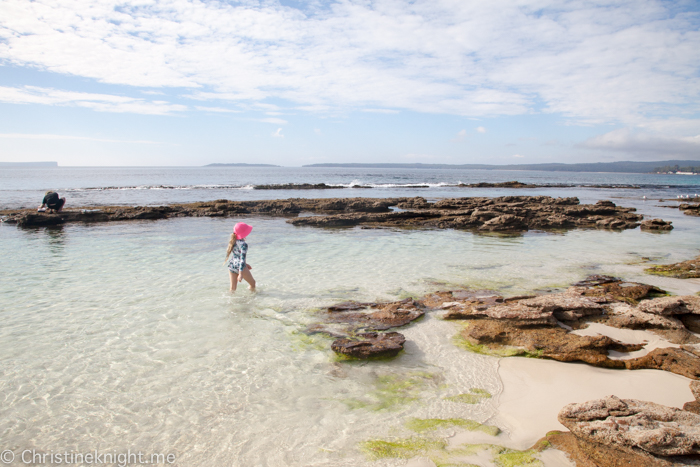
(194, 82)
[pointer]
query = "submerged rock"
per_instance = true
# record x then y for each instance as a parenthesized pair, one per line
(370, 345)
(685, 270)
(377, 316)
(350, 321)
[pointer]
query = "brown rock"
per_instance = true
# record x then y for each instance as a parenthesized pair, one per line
(675, 360)
(693, 406)
(695, 389)
(506, 222)
(686, 304)
(690, 209)
(656, 224)
(349, 306)
(691, 322)
(377, 317)
(607, 289)
(370, 345)
(564, 306)
(602, 455)
(502, 214)
(545, 341)
(634, 426)
(622, 315)
(566, 442)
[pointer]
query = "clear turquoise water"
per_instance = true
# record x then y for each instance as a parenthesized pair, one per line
(124, 336)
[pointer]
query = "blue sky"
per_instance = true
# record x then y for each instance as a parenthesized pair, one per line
(182, 82)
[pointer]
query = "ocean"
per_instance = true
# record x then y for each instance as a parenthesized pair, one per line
(123, 336)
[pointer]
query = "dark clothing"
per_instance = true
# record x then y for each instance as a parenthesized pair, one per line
(52, 201)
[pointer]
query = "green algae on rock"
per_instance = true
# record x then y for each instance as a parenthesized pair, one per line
(392, 391)
(400, 448)
(512, 458)
(421, 425)
(502, 456)
(685, 270)
(302, 342)
(475, 396)
(502, 351)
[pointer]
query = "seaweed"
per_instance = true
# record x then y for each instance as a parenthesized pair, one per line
(474, 396)
(421, 425)
(503, 351)
(513, 458)
(393, 390)
(401, 448)
(302, 342)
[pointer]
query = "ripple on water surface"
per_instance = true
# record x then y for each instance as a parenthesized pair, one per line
(123, 336)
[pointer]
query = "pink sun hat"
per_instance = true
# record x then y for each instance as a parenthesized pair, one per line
(242, 230)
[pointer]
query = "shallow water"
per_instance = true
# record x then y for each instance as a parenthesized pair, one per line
(123, 335)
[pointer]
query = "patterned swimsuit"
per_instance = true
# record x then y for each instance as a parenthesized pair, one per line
(237, 261)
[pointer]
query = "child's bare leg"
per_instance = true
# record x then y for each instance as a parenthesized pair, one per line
(234, 280)
(248, 278)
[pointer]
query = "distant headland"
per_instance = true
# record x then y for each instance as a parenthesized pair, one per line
(29, 164)
(621, 166)
(240, 164)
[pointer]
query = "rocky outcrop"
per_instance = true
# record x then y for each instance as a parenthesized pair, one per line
(690, 209)
(370, 345)
(512, 184)
(541, 326)
(376, 317)
(616, 432)
(502, 214)
(656, 224)
(684, 270)
(686, 304)
(350, 321)
(218, 208)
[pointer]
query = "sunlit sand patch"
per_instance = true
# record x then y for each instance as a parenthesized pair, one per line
(628, 336)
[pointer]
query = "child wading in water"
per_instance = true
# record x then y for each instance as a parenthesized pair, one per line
(238, 269)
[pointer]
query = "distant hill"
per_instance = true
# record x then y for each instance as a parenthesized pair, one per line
(28, 164)
(241, 165)
(621, 166)
(678, 169)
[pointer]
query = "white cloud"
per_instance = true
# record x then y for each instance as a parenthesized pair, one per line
(645, 146)
(597, 61)
(381, 111)
(215, 109)
(276, 121)
(98, 102)
(69, 137)
(481, 129)
(460, 136)
(278, 133)
(517, 155)
(317, 131)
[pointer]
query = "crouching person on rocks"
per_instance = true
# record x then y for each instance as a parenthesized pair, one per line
(52, 202)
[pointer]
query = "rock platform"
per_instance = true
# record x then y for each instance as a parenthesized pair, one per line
(500, 214)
